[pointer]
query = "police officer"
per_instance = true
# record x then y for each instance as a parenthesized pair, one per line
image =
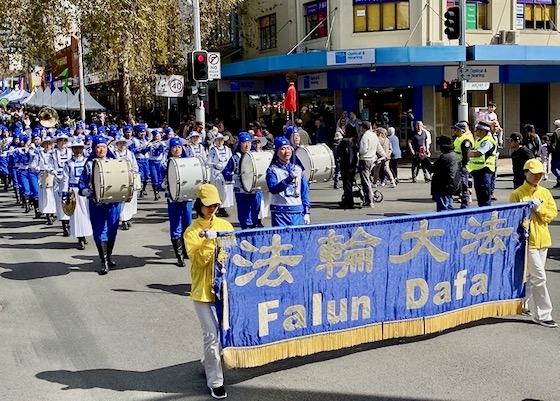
(463, 142)
(482, 163)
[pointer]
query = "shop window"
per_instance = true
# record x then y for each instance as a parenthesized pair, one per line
(316, 14)
(267, 32)
(381, 15)
(477, 12)
(539, 15)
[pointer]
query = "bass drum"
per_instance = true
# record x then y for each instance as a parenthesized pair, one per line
(318, 162)
(113, 180)
(184, 176)
(46, 180)
(252, 170)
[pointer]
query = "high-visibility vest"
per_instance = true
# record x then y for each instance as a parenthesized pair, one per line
(486, 160)
(459, 142)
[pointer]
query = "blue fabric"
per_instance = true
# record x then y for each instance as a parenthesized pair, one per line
(155, 172)
(14, 176)
(104, 220)
(443, 202)
(290, 282)
(248, 206)
(482, 181)
(34, 184)
(144, 169)
(279, 219)
(3, 165)
(180, 217)
(23, 179)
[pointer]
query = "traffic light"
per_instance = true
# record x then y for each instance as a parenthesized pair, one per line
(455, 88)
(445, 89)
(453, 22)
(199, 65)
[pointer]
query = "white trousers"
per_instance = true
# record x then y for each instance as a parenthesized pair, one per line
(536, 294)
(211, 359)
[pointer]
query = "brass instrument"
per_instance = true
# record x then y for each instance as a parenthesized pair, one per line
(48, 117)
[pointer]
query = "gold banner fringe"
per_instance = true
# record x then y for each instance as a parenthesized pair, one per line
(248, 357)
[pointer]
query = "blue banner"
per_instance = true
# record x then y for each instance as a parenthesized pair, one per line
(299, 290)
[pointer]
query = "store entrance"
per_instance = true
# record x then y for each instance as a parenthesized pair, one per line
(534, 108)
(385, 105)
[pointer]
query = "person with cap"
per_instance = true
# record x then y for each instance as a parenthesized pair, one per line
(537, 298)
(248, 203)
(12, 169)
(42, 164)
(141, 143)
(156, 155)
(179, 211)
(104, 217)
(290, 204)
(446, 178)
(59, 157)
(303, 134)
(369, 151)
(121, 151)
(80, 224)
(5, 142)
(34, 173)
(88, 139)
(519, 156)
(22, 158)
(218, 156)
(482, 163)
(200, 239)
(195, 147)
(257, 145)
(463, 142)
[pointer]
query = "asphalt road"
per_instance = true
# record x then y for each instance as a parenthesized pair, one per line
(67, 334)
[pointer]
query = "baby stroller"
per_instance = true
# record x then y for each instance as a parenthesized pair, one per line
(357, 192)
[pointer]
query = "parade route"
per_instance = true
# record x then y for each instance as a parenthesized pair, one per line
(68, 334)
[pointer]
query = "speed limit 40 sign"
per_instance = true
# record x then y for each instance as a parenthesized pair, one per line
(170, 85)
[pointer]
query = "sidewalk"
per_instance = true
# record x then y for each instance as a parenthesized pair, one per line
(405, 165)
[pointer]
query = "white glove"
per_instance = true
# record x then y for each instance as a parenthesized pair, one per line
(536, 204)
(294, 173)
(86, 192)
(306, 219)
(164, 185)
(220, 166)
(209, 234)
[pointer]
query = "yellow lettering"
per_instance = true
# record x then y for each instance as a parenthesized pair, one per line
(317, 309)
(332, 317)
(411, 285)
(479, 284)
(265, 318)
(365, 303)
(444, 293)
(459, 283)
(296, 319)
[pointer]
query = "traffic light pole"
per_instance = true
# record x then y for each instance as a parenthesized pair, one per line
(200, 113)
(463, 111)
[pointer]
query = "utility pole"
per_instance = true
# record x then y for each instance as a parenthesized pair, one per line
(200, 113)
(463, 111)
(81, 77)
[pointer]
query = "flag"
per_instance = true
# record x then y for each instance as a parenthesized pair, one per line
(63, 74)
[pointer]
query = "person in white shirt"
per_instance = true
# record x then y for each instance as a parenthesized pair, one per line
(369, 150)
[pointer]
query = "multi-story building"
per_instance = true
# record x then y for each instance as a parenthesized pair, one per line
(391, 56)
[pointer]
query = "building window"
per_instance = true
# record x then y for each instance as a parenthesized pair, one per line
(316, 14)
(381, 15)
(267, 31)
(539, 14)
(476, 15)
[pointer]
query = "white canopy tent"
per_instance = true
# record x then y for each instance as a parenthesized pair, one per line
(62, 102)
(35, 97)
(90, 102)
(17, 96)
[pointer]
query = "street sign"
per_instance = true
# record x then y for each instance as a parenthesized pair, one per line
(214, 66)
(479, 73)
(478, 86)
(464, 74)
(170, 85)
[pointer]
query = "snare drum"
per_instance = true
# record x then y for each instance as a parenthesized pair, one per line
(184, 176)
(137, 182)
(113, 180)
(318, 162)
(46, 180)
(252, 170)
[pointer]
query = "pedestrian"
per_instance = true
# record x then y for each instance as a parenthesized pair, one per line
(347, 154)
(289, 205)
(104, 217)
(537, 298)
(200, 240)
(339, 134)
(369, 150)
(463, 142)
(482, 163)
(544, 155)
(382, 165)
(554, 151)
(530, 139)
(418, 145)
(446, 178)
(303, 134)
(519, 156)
(396, 154)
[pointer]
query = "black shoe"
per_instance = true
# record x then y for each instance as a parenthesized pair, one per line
(178, 249)
(50, 219)
(102, 251)
(104, 268)
(124, 226)
(493, 198)
(128, 224)
(344, 205)
(218, 393)
(65, 228)
(81, 245)
(110, 246)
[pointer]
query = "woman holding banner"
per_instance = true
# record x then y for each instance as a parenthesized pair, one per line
(200, 240)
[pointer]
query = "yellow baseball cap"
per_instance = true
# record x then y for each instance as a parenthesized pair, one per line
(208, 194)
(534, 166)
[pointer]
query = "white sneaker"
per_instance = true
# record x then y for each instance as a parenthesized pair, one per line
(393, 185)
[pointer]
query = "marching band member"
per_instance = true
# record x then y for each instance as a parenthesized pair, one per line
(263, 197)
(42, 164)
(218, 156)
(5, 143)
(180, 211)
(22, 158)
(195, 148)
(156, 155)
(87, 142)
(104, 217)
(290, 203)
(59, 157)
(201, 245)
(248, 203)
(12, 169)
(121, 151)
(80, 225)
(34, 173)
(140, 144)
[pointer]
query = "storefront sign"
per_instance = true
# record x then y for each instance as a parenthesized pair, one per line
(312, 81)
(471, 16)
(315, 7)
(478, 73)
(226, 85)
(519, 16)
(65, 61)
(478, 86)
(363, 56)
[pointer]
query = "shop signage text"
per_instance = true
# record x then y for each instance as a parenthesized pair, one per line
(226, 85)
(478, 73)
(312, 81)
(363, 56)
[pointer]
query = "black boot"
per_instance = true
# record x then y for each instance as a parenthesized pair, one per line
(23, 201)
(50, 219)
(81, 243)
(178, 248)
(5, 182)
(102, 251)
(18, 200)
(124, 226)
(143, 191)
(65, 228)
(184, 247)
(110, 246)
(156, 192)
(36, 208)
(223, 212)
(26, 205)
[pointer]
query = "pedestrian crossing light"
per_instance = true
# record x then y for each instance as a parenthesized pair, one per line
(199, 65)
(453, 23)
(445, 89)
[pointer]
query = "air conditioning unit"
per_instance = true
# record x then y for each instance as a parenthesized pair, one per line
(509, 37)
(436, 43)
